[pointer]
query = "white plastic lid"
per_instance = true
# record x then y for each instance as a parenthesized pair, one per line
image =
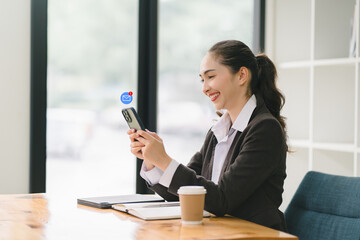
(192, 190)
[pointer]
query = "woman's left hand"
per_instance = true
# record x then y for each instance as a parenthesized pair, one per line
(154, 150)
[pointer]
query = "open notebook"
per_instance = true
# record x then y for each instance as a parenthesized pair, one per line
(153, 211)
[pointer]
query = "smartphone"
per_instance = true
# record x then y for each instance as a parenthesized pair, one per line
(132, 118)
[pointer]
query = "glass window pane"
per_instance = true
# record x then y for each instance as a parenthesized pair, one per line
(92, 60)
(187, 29)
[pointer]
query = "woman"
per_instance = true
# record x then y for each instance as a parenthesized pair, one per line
(242, 161)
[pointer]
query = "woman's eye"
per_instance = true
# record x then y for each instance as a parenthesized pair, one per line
(211, 77)
(202, 80)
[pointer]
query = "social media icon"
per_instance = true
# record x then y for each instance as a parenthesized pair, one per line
(126, 98)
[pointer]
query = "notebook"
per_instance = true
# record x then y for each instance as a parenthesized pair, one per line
(153, 211)
(108, 201)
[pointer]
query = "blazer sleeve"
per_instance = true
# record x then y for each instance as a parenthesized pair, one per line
(195, 164)
(260, 155)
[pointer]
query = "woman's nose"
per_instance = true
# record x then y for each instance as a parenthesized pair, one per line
(205, 87)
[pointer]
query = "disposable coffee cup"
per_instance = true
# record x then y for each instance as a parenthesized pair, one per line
(192, 200)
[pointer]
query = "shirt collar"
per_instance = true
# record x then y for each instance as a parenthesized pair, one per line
(222, 127)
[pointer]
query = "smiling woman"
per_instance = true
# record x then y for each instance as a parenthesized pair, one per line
(242, 161)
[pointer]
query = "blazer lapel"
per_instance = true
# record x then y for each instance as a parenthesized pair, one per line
(207, 168)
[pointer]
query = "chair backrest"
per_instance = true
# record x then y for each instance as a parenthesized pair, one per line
(325, 207)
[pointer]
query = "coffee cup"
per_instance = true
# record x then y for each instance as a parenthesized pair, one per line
(192, 199)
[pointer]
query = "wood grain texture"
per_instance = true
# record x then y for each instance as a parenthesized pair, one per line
(38, 216)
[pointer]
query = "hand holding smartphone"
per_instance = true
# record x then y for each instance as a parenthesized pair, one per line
(132, 118)
(134, 122)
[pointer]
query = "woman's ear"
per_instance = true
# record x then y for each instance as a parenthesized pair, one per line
(244, 75)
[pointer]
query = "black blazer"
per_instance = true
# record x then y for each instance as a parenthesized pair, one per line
(251, 182)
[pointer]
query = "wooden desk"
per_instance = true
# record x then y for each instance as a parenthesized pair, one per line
(38, 216)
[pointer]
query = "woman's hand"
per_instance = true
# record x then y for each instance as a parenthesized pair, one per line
(153, 149)
(136, 148)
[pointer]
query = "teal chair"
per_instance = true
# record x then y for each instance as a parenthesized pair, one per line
(325, 207)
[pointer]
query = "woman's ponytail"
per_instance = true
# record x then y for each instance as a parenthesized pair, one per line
(266, 87)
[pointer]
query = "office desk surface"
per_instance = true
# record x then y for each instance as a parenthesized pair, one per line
(38, 216)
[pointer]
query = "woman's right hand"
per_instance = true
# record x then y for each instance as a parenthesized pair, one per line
(136, 148)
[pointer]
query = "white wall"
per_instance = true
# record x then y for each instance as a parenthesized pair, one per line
(14, 95)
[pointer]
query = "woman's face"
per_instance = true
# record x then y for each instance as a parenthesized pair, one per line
(219, 83)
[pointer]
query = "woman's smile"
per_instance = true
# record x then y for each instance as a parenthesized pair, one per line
(214, 96)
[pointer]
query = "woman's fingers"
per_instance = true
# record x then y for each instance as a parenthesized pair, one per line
(148, 145)
(142, 140)
(130, 131)
(147, 137)
(136, 144)
(144, 134)
(154, 135)
(137, 152)
(133, 137)
(136, 149)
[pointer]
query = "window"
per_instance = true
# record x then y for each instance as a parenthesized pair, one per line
(92, 60)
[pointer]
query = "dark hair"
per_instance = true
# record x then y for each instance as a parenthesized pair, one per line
(235, 54)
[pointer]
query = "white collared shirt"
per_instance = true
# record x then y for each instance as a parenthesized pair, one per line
(225, 136)
(221, 131)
